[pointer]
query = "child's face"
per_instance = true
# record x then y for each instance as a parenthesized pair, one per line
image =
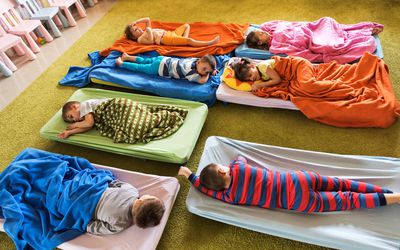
(135, 31)
(203, 68)
(73, 115)
(253, 73)
(223, 170)
(263, 37)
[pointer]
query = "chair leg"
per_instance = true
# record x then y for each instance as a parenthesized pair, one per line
(57, 21)
(3, 68)
(8, 62)
(31, 56)
(63, 20)
(45, 33)
(32, 43)
(54, 28)
(70, 18)
(80, 8)
(19, 50)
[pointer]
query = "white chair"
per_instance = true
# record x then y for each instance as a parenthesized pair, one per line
(50, 15)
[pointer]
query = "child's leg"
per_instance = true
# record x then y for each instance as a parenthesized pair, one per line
(337, 201)
(183, 30)
(141, 65)
(326, 183)
(196, 43)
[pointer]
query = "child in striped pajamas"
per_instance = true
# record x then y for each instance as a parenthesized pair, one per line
(192, 69)
(302, 191)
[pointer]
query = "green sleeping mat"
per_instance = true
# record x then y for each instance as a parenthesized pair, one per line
(176, 148)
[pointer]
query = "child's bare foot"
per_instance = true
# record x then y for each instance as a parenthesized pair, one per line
(126, 57)
(376, 31)
(119, 61)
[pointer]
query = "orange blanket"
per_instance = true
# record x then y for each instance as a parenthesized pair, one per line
(231, 36)
(350, 95)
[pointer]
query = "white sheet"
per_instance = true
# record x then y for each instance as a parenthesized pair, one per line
(357, 229)
(226, 94)
(166, 188)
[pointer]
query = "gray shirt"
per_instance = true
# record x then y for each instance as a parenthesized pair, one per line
(114, 210)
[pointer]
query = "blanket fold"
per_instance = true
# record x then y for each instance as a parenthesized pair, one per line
(47, 198)
(350, 95)
(231, 35)
(324, 40)
(124, 120)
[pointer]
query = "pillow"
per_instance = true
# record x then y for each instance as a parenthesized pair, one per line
(228, 77)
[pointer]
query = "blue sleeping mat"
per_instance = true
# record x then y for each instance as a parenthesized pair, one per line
(244, 51)
(104, 71)
(377, 228)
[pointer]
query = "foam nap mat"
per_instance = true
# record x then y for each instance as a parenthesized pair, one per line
(356, 229)
(176, 148)
(227, 94)
(103, 71)
(166, 188)
(244, 51)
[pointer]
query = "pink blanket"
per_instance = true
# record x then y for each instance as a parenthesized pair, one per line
(324, 40)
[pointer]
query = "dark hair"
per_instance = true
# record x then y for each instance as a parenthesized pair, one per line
(67, 107)
(252, 41)
(210, 178)
(149, 213)
(128, 33)
(241, 69)
(210, 60)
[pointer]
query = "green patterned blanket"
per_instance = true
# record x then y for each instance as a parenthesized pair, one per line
(125, 120)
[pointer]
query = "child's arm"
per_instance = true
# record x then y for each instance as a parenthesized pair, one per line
(274, 80)
(203, 79)
(146, 37)
(145, 20)
(184, 171)
(88, 122)
(66, 133)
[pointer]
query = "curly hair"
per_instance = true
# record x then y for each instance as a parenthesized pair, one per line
(128, 33)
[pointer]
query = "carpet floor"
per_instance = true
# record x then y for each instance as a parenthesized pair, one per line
(21, 120)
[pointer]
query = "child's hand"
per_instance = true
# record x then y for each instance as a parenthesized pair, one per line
(215, 72)
(63, 135)
(255, 87)
(184, 171)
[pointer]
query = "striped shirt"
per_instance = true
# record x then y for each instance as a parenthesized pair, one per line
(179, 68)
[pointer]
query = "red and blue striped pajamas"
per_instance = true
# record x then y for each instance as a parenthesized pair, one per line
(301, 191)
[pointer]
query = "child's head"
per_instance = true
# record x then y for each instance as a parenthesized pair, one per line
(214, 176)
(70, 111)
(133, 32)
(258, 39)
(206, 65)
(147, 211)
(245, 70)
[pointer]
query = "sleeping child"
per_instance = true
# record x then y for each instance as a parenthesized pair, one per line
(179, 36)
(323, 40)
(120, 206)
(192, 69)
(122, 119)
(301, 191)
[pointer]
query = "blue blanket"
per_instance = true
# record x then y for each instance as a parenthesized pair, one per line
(47, 199)
(104, 69)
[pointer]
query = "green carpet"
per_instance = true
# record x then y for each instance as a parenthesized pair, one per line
(21, 120)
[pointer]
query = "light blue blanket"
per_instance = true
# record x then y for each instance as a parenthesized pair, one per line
(47, 199)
